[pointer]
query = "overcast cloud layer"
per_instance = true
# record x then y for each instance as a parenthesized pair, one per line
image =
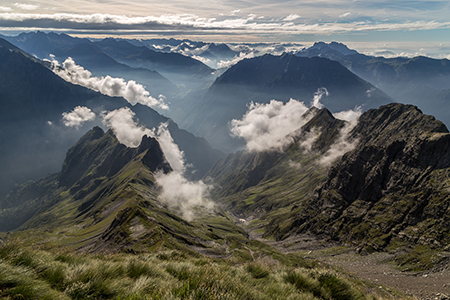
(256, 20)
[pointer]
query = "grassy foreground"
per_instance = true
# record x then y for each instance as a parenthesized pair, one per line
(27, 273)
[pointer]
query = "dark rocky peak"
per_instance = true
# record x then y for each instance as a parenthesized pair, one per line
(310, 113)
(395, 122)
(328, 126)
(99, 154)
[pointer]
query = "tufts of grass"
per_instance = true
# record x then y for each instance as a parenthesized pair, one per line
(257, 271)
(35, 274)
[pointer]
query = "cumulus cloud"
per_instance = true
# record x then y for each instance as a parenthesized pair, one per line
(228, 63)
(126, 129)
(78, 116)
(267, 126)
(182, 194)
(173, 154)
(116, 87)
(273, 126)
(176, 190)
(5, 8)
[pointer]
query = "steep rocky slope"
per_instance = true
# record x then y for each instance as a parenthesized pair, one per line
(263, 185)
(392, 190)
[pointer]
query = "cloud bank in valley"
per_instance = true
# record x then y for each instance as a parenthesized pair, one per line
(228, 63)
(115, 87)
(176, 190)
(78, 116)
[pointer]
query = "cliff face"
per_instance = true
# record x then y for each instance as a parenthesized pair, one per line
(392, 188)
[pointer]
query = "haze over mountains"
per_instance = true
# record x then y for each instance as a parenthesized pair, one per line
(35, 134)
(245, 143)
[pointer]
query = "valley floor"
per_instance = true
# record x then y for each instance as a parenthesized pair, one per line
(377, 268)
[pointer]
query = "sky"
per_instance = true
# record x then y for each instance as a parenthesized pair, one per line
(400, 25)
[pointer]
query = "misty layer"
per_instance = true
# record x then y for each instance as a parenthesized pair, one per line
(176, 190)
(228, 63)
(115, 87)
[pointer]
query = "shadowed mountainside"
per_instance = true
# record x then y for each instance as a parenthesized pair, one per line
(268, 77)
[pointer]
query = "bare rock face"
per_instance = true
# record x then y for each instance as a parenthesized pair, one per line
(392, 187)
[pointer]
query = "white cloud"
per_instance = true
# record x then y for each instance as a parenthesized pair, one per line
(176, 190)
(5, 8)
(116, 87)
(77, 117)
(291, 17)
(192, 22)
(267, 126)
(26, 6)
(349, 115)
(126, 129)
(344, 15)
(173, 154)
(343, 144)
(309, 138)
(228, 63)
(318, 96)
(182, 194)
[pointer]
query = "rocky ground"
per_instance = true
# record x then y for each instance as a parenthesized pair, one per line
(377, 268)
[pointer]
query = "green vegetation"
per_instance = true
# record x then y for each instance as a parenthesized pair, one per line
(27, 273)
(421, 258)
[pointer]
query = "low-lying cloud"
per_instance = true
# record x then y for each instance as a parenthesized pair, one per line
(273, 126)
(126, 129)
(78, 116)
(343, 144)
(267, 126)
(115, 87)
(228, 63)
(176, 190)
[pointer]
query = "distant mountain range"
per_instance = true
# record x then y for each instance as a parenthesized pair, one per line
(118, 58)
(421, 81)
(268, 77)
(34, 138)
